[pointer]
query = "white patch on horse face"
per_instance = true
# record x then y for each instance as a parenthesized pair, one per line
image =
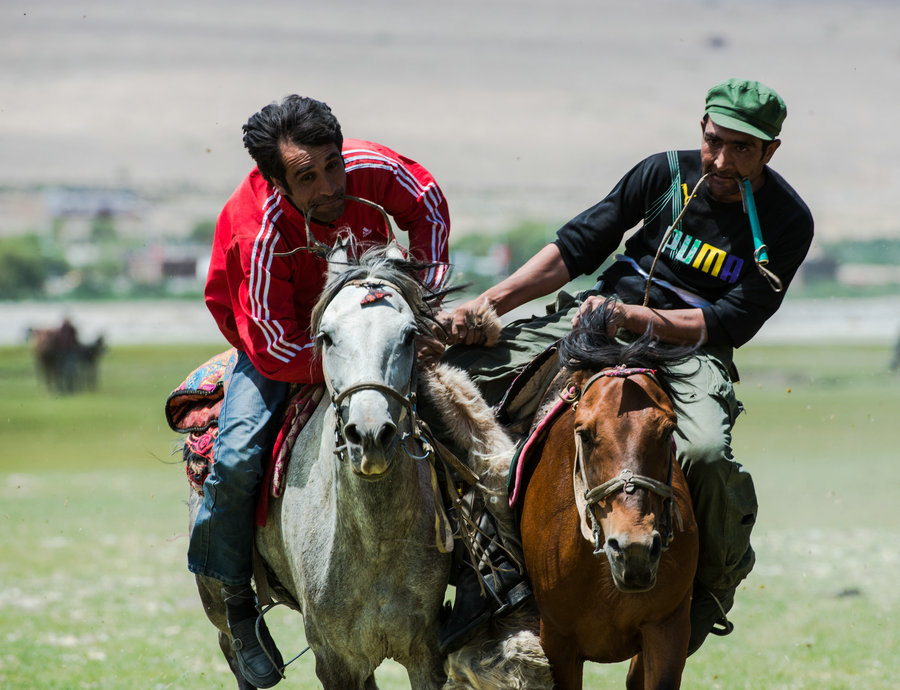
(371, 343)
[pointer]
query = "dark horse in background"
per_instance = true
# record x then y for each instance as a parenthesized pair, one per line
(65, 364)
(607, 527)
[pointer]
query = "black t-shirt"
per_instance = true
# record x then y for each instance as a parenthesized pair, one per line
(710, 254)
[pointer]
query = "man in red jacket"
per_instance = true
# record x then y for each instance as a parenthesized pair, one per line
(261, 298)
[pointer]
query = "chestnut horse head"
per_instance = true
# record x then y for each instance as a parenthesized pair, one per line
(623, 470)
(607, 528)
(624, 460)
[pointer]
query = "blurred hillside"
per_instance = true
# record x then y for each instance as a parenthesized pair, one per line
(523, 109)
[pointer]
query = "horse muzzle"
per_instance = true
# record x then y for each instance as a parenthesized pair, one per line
(371, 451)
(633, 562)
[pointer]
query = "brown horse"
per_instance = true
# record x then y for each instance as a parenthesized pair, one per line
(64, 363)
(607, 526)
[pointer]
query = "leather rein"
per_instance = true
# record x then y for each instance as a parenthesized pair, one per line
(626, 480)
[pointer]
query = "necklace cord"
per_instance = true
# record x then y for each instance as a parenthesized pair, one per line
(665, 239)
(320, 248)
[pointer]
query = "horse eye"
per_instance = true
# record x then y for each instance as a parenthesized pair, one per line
(323, 339)
(585, 436)
(409, 336)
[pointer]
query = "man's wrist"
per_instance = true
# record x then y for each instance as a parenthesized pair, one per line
(626, 317)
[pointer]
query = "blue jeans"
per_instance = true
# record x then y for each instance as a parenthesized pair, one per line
(221, 544)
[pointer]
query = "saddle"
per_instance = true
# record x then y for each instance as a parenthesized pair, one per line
(519, 405)
(530, 404)
(193, 409)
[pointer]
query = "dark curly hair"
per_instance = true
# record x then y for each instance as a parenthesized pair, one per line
(298, 120)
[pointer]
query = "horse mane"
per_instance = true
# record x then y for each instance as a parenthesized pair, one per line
(590, 347)
(378, 264)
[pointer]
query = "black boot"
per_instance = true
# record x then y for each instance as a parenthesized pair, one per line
(708, 615)
(505, 589)
(260, 663)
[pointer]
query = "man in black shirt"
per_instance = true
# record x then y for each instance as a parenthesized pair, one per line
(711, 285)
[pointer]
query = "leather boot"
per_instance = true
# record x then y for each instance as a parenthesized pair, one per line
(255, 654)
(505, 590)
(708, 615)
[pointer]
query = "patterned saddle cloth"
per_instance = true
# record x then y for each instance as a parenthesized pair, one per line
(193, 409)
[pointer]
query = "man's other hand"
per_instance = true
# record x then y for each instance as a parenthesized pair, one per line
(617, 318)
(474, 323)
(429, 350)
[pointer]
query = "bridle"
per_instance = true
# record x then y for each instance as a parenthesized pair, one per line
(427, 446)
(626, 480)
(407, 401)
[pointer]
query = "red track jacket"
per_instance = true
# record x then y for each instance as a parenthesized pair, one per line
(262, 303)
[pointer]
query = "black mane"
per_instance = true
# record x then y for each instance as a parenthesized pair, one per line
(589, 347)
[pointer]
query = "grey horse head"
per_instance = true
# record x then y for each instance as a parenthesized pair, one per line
(365, 325)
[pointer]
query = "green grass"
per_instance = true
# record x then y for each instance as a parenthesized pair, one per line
(94, 592)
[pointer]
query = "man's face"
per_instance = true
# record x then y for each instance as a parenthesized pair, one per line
(316, 180)
(732, 156)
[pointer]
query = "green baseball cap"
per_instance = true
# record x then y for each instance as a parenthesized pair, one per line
(746, 106)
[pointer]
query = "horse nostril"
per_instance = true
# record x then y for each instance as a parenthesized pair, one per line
(386, 436)
(656, 547)
(351, 433)
(612, 544)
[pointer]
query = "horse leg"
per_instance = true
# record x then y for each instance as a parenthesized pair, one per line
(635, 678)
(566, 665)
(335, 674)
(645, 673)
(664, 646)
(426, 671)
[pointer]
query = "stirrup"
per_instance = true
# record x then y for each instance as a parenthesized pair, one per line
(722, 627)
(514, 598)
(725, 626)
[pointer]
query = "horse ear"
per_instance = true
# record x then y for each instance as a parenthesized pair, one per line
(394, 251)
(339, 257)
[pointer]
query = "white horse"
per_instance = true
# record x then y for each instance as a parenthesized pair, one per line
(354, 536)
(359, 539)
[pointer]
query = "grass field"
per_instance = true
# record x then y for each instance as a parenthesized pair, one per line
(94, 592)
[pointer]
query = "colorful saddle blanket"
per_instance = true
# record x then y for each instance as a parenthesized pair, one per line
(193, 409)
